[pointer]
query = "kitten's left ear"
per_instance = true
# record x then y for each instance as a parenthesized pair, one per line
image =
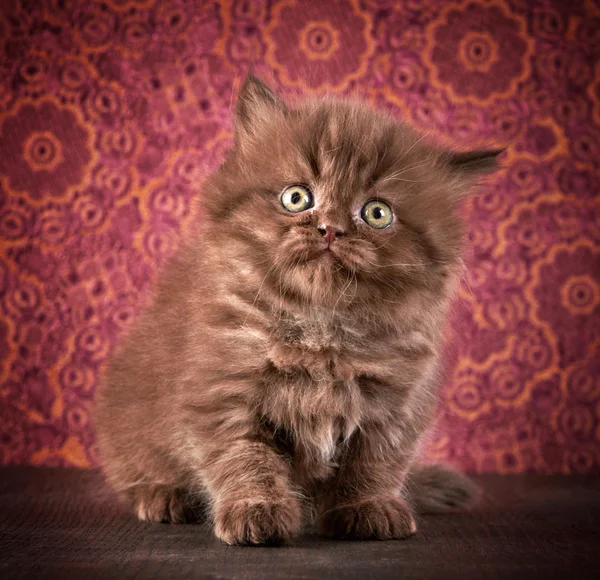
(257, 104)
(473, 163)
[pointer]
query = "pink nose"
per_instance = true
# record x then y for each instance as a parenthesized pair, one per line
(330, 233)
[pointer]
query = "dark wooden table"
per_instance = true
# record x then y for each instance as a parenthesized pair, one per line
(66, 524)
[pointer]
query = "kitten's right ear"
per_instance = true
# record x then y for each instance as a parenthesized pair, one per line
(257, 104)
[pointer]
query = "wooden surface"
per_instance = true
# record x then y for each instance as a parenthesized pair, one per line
(66, 524)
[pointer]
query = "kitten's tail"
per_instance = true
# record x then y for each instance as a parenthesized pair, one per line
(437, 488)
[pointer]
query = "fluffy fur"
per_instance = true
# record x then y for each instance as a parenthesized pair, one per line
(278, 380)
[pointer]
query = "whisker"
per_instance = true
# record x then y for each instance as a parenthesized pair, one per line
(415, 144)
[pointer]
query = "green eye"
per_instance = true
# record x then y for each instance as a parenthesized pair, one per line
(296, 198)
(377, 214)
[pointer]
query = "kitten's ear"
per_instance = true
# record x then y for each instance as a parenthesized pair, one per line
(472, 164)
(257, 103)
(464, 169)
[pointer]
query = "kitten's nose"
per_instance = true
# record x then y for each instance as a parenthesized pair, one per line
(330, 233)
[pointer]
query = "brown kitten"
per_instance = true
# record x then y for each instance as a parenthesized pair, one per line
(288, 366)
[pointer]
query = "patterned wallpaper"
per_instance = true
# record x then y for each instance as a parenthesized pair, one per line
(112, 112)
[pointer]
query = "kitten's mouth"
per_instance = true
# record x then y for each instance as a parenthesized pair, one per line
(320, 254)
(327, 253)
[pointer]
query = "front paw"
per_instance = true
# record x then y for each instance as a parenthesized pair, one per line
(246, 522)
(376, 519)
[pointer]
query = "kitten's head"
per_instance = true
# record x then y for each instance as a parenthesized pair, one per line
(332, 203)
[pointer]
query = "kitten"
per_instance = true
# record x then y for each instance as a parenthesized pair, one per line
(287, 369)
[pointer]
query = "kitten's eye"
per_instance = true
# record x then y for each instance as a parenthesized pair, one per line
(377, 214)
(296, 198)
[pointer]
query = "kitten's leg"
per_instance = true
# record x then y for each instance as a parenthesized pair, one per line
(160, 503)
(363, 501)
(437, 488)
(252, 498)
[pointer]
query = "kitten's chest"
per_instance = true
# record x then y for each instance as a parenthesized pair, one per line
(322, 347)
(312, 389)
(312, 334)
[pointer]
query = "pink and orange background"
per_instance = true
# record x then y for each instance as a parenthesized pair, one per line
(112, 112)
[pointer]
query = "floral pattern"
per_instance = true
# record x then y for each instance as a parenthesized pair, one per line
(305, 38)
(44, 150)
(478, 51)
(112, 113)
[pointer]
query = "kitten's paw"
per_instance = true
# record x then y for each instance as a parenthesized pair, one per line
(159, 503)
(252, 523)
(377, 519)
